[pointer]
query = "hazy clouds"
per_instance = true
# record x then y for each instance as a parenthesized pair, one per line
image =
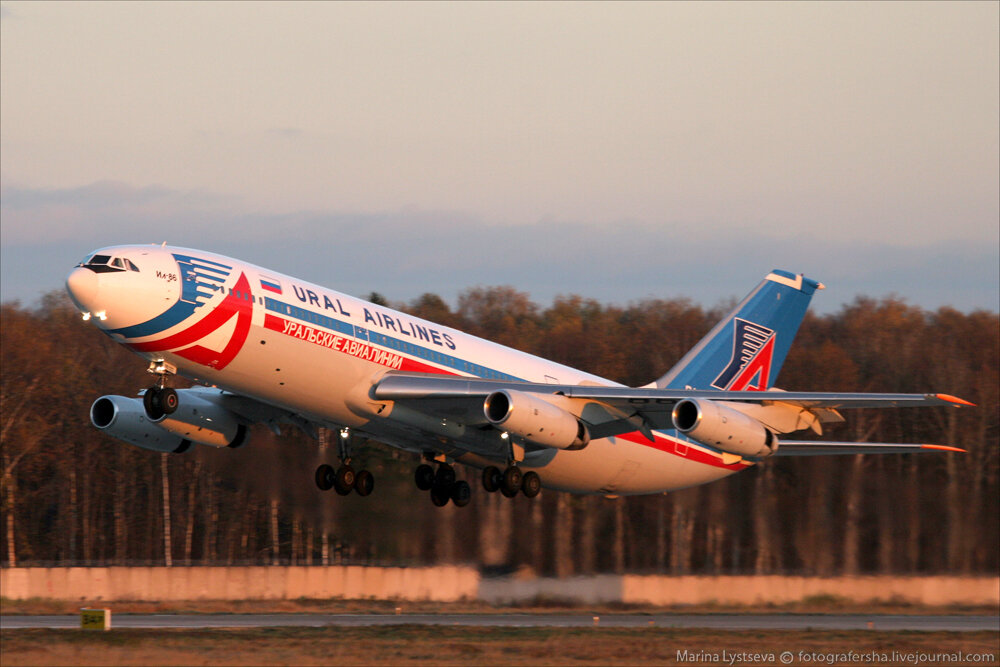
(612, 150)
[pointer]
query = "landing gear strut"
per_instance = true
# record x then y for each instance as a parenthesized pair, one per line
(343, 479)
(160, 400)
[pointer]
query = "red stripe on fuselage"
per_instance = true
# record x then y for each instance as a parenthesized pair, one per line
(695, 454)
(347, 345)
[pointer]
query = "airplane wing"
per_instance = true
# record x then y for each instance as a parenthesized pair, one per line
(396, 386)
(614, 410)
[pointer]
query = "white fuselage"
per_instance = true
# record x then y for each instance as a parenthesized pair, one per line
(315, 352)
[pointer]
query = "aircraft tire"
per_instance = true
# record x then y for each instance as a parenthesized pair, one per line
(440, 495)
(531, 484)
(324, 477)
(445, 476)
(151, 403)
(492, 479)
(364, 483)
(512, 479)
(343, 480)
(461, 493)
(424, 477)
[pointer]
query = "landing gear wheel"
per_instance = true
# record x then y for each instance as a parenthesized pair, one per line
(492, 478)
(151, 402)
(168, 400)
(440, 496)
(511, 481)
(424, 477)
(364, 482)
(324, 477)
(445, 476)
(343, 480)
(461, 494)
(531, 484)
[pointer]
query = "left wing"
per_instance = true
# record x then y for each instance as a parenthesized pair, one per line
(396, 386)
(614, 410)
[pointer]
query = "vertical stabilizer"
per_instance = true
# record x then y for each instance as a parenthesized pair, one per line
(747, 348)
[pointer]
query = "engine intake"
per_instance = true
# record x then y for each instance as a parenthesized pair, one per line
(535, 420)
(724, 428)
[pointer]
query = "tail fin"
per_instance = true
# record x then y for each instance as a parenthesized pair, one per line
(748, 347)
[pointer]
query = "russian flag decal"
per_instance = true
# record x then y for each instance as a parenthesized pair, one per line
(270, 284)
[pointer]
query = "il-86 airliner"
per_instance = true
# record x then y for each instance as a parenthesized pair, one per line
(266, 348)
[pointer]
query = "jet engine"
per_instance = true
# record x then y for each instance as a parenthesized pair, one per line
(203, 421)
(724, 428)
(197, 419)
(125, 419)
(535, 420)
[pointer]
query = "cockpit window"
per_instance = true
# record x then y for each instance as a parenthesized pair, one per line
(108, 264)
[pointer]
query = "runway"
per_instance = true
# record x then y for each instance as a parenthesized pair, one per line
(883, 622)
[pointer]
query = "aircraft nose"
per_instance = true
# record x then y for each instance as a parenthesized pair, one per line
(81, 284)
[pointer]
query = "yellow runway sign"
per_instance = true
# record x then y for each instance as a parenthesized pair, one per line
(95, 619)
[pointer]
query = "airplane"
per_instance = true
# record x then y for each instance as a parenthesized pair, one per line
(266, 348)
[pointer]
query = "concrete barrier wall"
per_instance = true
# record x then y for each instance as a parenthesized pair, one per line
(454, 583)
(656, 590)
(441, 584)
(668, 591)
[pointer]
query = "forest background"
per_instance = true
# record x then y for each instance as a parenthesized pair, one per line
(71, 495)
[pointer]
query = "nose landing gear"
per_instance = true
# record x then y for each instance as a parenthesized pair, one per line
(160, 400)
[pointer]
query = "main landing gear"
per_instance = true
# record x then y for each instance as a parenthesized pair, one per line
(343, 479)
(511, 480)
(442, 485)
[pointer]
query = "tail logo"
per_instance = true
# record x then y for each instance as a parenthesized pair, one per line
(749, 368)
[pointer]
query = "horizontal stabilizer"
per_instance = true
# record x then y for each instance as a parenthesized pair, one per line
(821, 448)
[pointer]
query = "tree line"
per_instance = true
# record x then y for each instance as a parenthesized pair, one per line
(71, 495)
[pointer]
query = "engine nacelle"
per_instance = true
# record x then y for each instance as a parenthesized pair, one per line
(200, 420)
(724, 428)
(535, 420)
(125, 419)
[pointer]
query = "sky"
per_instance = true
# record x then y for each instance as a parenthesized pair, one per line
(619, 151)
